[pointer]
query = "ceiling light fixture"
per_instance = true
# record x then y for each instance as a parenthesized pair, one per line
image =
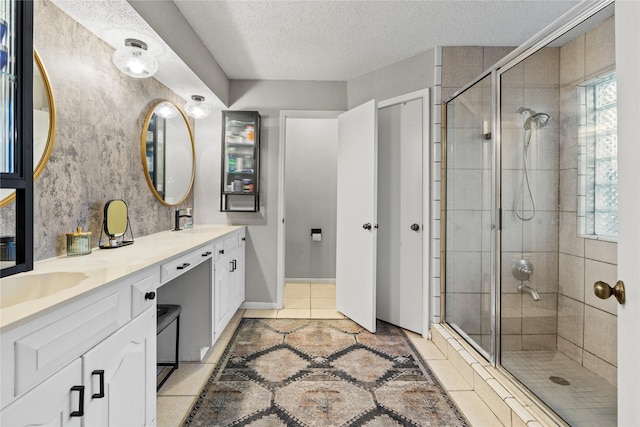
(166, 110)
(134, 60)
(196, 108)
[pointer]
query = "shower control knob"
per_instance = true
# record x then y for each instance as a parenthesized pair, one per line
(415, 227)
(603, 290)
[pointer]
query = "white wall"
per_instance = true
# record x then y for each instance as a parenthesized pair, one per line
(267, 97)
(406, 76)
(310, 185)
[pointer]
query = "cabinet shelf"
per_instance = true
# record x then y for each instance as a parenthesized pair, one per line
(238, 193)
(239, 184)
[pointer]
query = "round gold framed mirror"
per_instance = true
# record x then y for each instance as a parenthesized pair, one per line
(168, 153)
(44, 124)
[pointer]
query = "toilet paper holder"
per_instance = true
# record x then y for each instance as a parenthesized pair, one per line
(316, 234)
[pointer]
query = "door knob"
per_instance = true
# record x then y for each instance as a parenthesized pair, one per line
(415, 227)
(604, 291)
(367, 226)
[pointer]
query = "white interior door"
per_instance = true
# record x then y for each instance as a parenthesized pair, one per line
(400, 236)
(356, 215)
(628, 69)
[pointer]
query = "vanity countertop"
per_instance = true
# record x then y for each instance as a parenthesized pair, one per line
(56, 281)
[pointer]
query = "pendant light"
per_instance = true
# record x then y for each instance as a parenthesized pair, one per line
(196, 108)
(134, 60)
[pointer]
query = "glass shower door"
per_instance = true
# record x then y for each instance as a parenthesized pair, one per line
(557, 179)
(469, 152)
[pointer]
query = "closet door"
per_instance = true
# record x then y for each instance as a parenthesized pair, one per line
(400, 202)
(356, 226)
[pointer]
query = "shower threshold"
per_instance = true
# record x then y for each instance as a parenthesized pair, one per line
(573, 392)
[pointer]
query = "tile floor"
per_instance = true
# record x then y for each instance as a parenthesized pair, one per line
(587, 400)
(305, 300)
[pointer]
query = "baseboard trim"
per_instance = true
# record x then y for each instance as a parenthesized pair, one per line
(331, 280)
(248, 305)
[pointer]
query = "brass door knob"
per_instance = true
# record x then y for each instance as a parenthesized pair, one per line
(604, 291)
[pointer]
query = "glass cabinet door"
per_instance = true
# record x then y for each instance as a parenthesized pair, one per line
(240, 151)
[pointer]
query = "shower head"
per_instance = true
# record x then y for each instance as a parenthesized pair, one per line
(537, 120)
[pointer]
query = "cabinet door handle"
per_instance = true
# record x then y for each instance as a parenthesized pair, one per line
(233, 265)
(80, 411)
(150, 295)
(244, 238)
(100, 394)
(206, 253)
(221, 251)
(183, 266)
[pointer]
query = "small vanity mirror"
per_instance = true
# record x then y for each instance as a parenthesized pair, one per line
(44, 124)
(168, 153)
(115, 224)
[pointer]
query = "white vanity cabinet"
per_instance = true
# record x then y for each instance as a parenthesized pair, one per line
(229, 283)
(50, 403)
(238, 269)
(116, 376)
(50, 366)
(78, 344)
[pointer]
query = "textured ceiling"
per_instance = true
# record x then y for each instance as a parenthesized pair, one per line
(340, 40)
(315, 39)
(115, 20)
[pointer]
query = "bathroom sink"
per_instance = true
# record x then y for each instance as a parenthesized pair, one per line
(18, 289)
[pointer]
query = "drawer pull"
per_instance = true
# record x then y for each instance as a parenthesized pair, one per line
(150, 295)
(244, 238)
(221, 251)
(183, 266)
(233, 265)
(206, 253)
(100, 374)
(80, 411)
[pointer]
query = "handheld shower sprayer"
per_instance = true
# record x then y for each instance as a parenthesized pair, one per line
(533, 121)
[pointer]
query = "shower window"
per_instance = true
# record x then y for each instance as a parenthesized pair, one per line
(598, 192)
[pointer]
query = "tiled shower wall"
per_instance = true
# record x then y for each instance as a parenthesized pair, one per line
(587, 326)
(533, 83)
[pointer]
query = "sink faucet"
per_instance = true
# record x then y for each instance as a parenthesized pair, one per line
(178, 216)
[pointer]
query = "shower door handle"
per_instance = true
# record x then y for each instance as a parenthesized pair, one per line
(603, 290)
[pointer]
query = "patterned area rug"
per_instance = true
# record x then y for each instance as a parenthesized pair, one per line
(300, 372)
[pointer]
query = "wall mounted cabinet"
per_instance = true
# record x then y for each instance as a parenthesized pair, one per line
(240, 186)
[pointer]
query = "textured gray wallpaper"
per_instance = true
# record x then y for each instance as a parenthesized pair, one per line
(96, 156)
